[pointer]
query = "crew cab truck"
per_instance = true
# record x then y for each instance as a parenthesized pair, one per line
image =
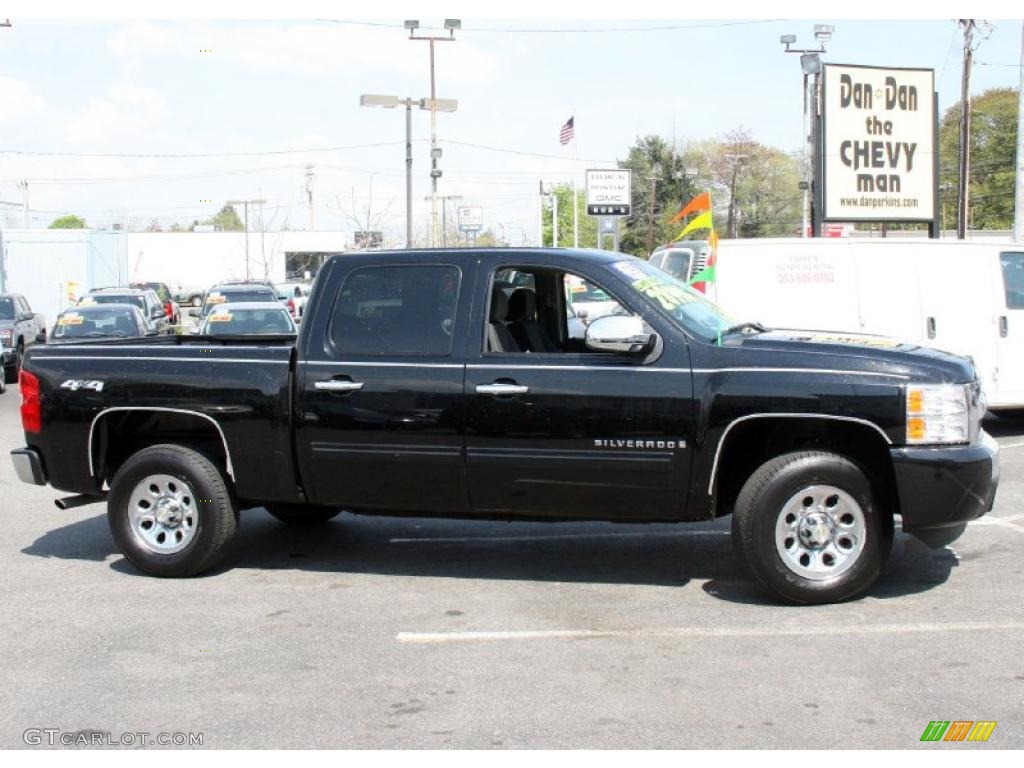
(445, 382)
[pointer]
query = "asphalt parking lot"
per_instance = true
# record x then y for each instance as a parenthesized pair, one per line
(414, 633)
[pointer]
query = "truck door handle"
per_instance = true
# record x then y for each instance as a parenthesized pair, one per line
(501, 388)
(931, 327)
(1004, 328)
(338, 385)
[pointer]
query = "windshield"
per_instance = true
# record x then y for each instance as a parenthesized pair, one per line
(223, 296)
(688, 308)
(113, 322)
(114, 298)
(248, 321)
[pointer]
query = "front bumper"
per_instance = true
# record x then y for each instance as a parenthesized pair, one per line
(9, 356)
(28, 465)
(942, 489)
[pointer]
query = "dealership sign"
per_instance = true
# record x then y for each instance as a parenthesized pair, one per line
(608, 192)
(471, 218)
(878, 142)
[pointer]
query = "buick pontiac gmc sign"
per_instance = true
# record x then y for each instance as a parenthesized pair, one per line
(879, 131)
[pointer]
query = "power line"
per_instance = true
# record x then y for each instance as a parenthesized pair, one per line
(183, 155)
(564, 30)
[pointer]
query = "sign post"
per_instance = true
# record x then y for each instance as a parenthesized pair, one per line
(471, 221)
(609, 197)
(877, 148)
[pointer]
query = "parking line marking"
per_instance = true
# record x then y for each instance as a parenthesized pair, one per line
(1011, 445)
(540, 537)
(424, 638)
(1001, 522)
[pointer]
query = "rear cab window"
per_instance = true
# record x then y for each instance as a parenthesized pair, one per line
(396, 310)
(1013, 279)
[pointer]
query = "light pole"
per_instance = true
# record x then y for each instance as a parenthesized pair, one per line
(435, 151)
(245, 206)
(390, 102)
(810, 64)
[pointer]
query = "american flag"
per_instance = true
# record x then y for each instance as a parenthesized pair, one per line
(567, 131)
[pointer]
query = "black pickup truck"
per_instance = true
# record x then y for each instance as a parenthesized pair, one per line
(462, 383)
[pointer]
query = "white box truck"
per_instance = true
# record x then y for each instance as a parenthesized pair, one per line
(962, 297)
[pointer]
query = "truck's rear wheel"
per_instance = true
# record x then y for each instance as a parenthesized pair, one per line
(301, 514)
(171, 512)
(807, 526)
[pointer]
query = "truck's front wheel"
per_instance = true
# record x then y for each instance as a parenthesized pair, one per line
(171, 512)
(808, 528)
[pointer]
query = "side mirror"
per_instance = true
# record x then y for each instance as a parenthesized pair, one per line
(624, 334)
(157, 314)
(41, 337)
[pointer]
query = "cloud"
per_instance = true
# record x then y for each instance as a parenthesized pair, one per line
(126, 111)
(19, 101)
(308, 49)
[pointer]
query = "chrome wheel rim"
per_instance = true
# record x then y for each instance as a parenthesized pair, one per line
(820, 532)
(163, 514)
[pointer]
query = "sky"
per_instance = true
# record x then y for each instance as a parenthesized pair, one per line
(83, 88)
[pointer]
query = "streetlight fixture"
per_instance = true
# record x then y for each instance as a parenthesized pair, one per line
(810, 65)
(245, 204)
(388, 101)
(450, 26)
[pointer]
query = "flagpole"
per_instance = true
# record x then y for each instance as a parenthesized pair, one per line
(575, 200)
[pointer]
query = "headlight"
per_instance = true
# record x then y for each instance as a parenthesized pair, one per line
(937, 414)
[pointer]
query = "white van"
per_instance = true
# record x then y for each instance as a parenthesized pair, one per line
(963, 297)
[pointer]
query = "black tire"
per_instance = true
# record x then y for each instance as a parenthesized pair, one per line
(302, 515)
(196, 301)
(774, 528)
(11, 371)
(214, 521)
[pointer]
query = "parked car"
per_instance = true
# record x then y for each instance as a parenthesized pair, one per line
(188, 295)
(145, 299)
(171, 308)
(20, 327)
(247, 318)
(101, 321)
(419, 386)
(224, 293)
(294, 297)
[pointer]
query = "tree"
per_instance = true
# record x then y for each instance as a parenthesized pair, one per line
(587, 224)
(154, 226)
(227, 220)
(488, 239)
(659, 168)
(68, 222)
(993, 142)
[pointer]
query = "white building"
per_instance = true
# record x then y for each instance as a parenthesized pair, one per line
(47, 264)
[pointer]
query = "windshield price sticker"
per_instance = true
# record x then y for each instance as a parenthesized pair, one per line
(86, 301)
(221, 317)
(669, 296)
(71, 319)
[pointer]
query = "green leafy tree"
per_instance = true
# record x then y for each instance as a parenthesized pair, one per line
(993, 142)
(587, 224)
(227, 220)
(68, 222)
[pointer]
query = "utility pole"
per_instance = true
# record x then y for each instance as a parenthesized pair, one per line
(1018, 208)
(310, 175)
(540, 216)
(654, 179)
(444, 216)
(730, 226)
(435, 151)
(245, 205)
(24, 190)
(963, 188)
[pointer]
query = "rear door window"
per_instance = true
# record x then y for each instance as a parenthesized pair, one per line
(1013, 279)
(406, 310)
